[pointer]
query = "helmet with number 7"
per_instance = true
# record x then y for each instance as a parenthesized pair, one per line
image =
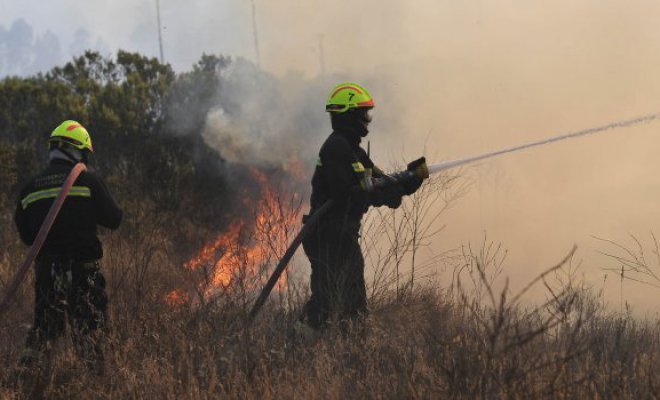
(347, 96)
(71, 133)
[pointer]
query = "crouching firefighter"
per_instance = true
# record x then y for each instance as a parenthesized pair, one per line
(68, 285)
(346, 176)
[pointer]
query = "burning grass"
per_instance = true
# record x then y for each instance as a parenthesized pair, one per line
(239, 257)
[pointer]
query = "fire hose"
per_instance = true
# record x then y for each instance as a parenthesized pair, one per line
(432, 169)
(304, 231)
(41, 237)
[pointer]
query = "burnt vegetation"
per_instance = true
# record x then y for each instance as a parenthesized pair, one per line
(473, 337)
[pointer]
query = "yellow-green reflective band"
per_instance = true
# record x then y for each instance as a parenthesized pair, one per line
(318, 162)
(78, 191)
(358, 167)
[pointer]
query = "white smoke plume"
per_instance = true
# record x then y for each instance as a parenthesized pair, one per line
(266, 120)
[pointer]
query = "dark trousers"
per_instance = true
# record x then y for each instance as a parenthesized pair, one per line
(73, 291)
(337, 281)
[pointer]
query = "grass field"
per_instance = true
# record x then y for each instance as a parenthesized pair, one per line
(423, 339)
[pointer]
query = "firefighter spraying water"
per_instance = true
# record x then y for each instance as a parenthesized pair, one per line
(345, 293)
(345, 184)
(346, 175)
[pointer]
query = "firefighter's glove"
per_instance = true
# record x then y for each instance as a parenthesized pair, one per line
(389, 196)
(384, 190)
(414, 175)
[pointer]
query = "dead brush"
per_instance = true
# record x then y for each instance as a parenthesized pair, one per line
(471, 338)
(503, 335)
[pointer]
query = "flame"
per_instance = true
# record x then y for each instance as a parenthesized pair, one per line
(243, 254)
(177, 297)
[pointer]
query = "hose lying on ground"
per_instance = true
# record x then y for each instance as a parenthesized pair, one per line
(304, 231)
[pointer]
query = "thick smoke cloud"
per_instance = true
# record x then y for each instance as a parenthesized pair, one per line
(453, 79)
(266, 121)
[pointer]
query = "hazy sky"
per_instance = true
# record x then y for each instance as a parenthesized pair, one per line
(456, 78)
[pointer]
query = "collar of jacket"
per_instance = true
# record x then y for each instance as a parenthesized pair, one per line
(61, 162)
(353, 138)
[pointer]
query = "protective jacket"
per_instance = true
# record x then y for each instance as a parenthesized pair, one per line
(341, 166)
(74, 232)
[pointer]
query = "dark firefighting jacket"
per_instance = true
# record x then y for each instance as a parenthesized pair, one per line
(340, 168)
(74, 232)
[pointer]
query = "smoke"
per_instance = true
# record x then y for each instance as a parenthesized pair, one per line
(259, 119)
(450, 79)
(456, 79)
(453, 79)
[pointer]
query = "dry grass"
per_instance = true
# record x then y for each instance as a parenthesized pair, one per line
(421, 345)
(467, 340)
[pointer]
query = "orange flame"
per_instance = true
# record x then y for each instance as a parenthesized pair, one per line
(243, 254)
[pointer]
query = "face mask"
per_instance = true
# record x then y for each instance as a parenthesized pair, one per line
(363, 117)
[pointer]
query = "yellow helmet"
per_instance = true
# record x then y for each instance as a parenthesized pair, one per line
(346, 96)
(74, 134)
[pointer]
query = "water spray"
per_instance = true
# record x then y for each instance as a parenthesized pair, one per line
(435, 168)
